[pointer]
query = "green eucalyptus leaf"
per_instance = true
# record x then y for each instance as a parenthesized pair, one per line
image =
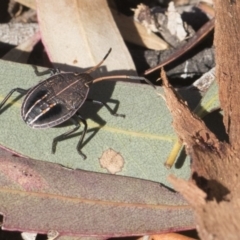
(143, 139)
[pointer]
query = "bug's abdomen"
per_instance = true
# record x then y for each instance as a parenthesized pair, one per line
(43, 110)
(54, 100)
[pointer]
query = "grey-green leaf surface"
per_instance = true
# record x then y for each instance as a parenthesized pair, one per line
(38, 196)
(144, 138)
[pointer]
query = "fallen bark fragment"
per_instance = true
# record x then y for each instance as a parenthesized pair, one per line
(215, 168)
(227, 37)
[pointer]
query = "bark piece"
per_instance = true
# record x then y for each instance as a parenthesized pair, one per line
(228, 59)
(215, 169)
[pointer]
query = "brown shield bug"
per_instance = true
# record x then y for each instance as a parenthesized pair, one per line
(58, 99)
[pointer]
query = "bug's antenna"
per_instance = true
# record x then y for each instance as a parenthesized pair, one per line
(99, 64)
(125, 77)
(115, 77)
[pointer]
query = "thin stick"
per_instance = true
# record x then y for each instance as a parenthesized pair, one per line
(99, 64)
(200, 34)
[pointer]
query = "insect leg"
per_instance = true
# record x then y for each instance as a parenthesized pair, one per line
(65, 135)
(19, 90)
(79, 146)
(52, 71)
(106, 106)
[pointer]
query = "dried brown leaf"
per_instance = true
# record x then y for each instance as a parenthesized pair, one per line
(134, 32)
(79, 34)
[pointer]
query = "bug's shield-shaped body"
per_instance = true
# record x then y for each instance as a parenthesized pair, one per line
(55, 100)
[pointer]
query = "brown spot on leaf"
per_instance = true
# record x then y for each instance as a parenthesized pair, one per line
(112, 161)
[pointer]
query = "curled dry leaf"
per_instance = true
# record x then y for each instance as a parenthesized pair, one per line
(136, 33)
(142, 14)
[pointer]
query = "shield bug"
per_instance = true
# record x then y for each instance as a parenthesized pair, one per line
(58, 99)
